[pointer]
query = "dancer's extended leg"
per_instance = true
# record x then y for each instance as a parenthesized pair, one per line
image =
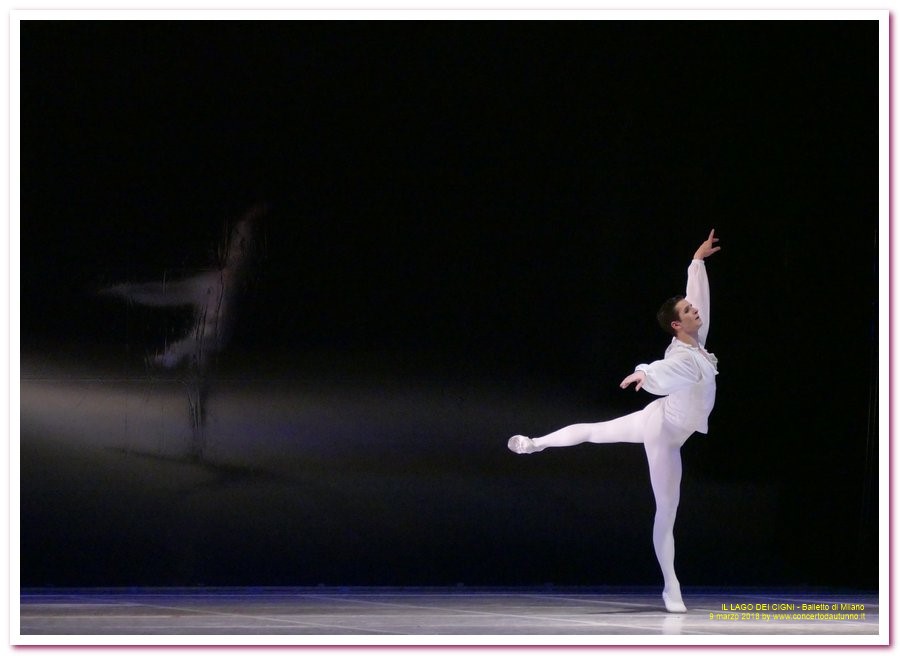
(630, 428)
(664, 459)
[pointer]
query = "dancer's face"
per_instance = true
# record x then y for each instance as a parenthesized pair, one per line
(688, 316)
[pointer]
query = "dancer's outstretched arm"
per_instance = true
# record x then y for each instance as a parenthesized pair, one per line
(697, 292)
(664, 377)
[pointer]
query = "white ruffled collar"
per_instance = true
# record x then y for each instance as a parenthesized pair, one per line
(677, 343)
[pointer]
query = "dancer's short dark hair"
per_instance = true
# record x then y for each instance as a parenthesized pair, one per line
(667, 314)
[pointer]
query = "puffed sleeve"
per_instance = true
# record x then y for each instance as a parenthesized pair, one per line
(663, 377)
(697, 294)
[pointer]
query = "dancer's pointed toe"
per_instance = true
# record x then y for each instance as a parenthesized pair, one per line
(521, 444)
(672, 605)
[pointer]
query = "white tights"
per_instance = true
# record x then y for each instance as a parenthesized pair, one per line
(662, 443)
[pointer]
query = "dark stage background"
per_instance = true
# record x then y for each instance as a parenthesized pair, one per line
(471, 227)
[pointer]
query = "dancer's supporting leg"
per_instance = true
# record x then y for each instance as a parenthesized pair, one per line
(664, 459)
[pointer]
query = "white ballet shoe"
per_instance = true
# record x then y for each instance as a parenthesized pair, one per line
(521, 444)
(673, 606)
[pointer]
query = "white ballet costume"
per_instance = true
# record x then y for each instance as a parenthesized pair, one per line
(685, 381)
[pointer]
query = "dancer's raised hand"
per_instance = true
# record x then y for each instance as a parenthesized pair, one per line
(707, 248)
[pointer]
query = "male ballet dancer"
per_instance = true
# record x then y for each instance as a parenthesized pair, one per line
(686, 380)
(212, 295)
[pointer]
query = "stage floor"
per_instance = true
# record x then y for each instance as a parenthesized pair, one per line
(385, 612)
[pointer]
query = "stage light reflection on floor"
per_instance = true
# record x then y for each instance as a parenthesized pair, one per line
(512, 616)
